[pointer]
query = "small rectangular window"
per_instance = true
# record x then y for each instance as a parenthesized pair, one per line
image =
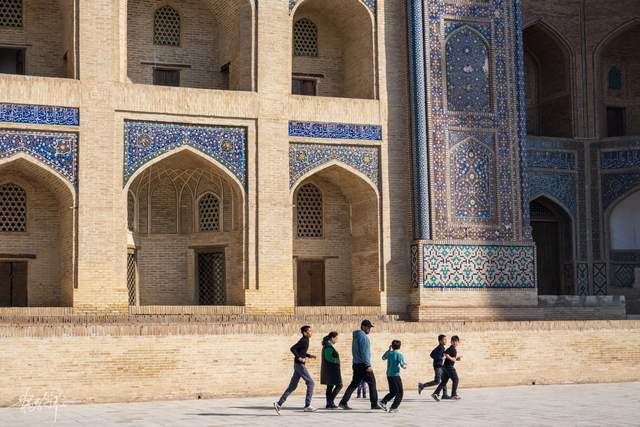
(303, 87)
(166, 77)
(616, 121)
(11, 61)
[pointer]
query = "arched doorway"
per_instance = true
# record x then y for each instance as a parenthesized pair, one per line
(36, 236)
(624, 240)
(333, 49)
(335, 240)
(553, 235)
(186, 229)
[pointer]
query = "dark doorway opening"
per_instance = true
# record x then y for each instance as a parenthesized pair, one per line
(616, 121)
(311, 290)
(13, 284)
(211, 278)
(11, 60)
(552, 233)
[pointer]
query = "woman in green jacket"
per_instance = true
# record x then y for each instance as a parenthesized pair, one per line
(330, 369)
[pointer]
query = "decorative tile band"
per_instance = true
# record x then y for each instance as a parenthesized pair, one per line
(371, 4)
(39, 114)
(306, 157)
(144, 141)
(479, 266)
(616, 185)
(620, 159)
(561, 186)
(335, 131)
(551, 159)
(58, 150)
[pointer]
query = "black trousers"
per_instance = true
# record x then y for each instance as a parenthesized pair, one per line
(437, 380)
(360, 373)
(332, 392)
(395, 392)
(449, 373)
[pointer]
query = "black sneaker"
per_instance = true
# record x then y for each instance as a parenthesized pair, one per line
(345, 407)
(420, 388)
(277, 407)
(445, 397)
(378, 406)
(435, 397)
(332, 406)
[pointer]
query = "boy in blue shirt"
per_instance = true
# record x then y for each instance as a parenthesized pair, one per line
(395, 360)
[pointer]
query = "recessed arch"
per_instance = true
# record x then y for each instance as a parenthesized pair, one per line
(341, 267)
(330, 164)
(346, 62)
(549, 63)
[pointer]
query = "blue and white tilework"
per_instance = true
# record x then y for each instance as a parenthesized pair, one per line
(562, 187)
(58, 150)
(304, 158)
(371, 4)
(39, 115)
(335, 131)
(617, 185)
(479, 266)
(623, 159)
(582, 279)
(468, 68)
(551, 159)
(144, 141)
(599, 278)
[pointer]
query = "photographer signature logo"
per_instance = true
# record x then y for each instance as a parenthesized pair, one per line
(29, 403)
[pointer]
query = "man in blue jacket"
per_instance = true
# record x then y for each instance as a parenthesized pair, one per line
(362, 370)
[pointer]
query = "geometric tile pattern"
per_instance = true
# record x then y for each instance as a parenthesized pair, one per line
(624, 275)
(617, 185)
(11, 13)
(305, 38)
(58, 150)
(39, 114)
(335, 131)
(306, 157)
(144, 141)
(166, 27)
(620, 159)
(13, 209)
(309, 209)
(371, 4)
(479, 266)
(468, 74)
(562, 187)
(582, 276)
(599, 278)
(551, 159)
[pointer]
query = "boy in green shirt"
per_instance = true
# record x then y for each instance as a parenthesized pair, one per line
(395, 361)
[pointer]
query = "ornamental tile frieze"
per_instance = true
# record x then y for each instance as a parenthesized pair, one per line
(335, 131)
(57, 150)
(371, 4)
(304, 158)
(145, 141)
(39, 115)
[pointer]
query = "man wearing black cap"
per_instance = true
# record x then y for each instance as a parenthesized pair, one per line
(361, 350)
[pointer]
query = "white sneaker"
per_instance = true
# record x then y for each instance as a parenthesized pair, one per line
(277, 407)
(394, 411)
(309, 409)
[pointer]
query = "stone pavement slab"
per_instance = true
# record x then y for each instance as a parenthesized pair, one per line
(562, 405)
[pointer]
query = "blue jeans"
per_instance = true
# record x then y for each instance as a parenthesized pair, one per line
(299, 371)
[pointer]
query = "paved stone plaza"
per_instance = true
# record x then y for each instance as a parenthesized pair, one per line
(567, 405)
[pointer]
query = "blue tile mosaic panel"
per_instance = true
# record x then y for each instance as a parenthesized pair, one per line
(303, 158)
(551, 159)
(616, 185)
(582, 279)
(39, 114)
(624, 159)
(58, 150)
(479, 266)
(599, 277)
(560, 186)
(335, 131)
(144, 141)
(468, 67)
(371, 4)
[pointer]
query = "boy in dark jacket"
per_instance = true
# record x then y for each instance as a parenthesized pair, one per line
(300, 357)
(449, 370)
(330, 374)
(437, 354)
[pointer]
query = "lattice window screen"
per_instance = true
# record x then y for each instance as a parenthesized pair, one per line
(209, 213)
(132, 267)
(131, 211)
(166, 27)
(211, 282)
(10, 13)
(13, 209)
(305, 38)
(310, 216)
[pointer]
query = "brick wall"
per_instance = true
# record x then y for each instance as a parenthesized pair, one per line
(120, 362)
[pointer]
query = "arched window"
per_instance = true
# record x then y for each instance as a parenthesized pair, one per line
(310, 212)
(305, 38)
(625, 224)
(131, 211)
(615, 78)
(13, 209)
(209, 212)
(166, 27)
(10, 13)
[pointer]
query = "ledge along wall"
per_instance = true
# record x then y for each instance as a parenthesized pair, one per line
(133, 362)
